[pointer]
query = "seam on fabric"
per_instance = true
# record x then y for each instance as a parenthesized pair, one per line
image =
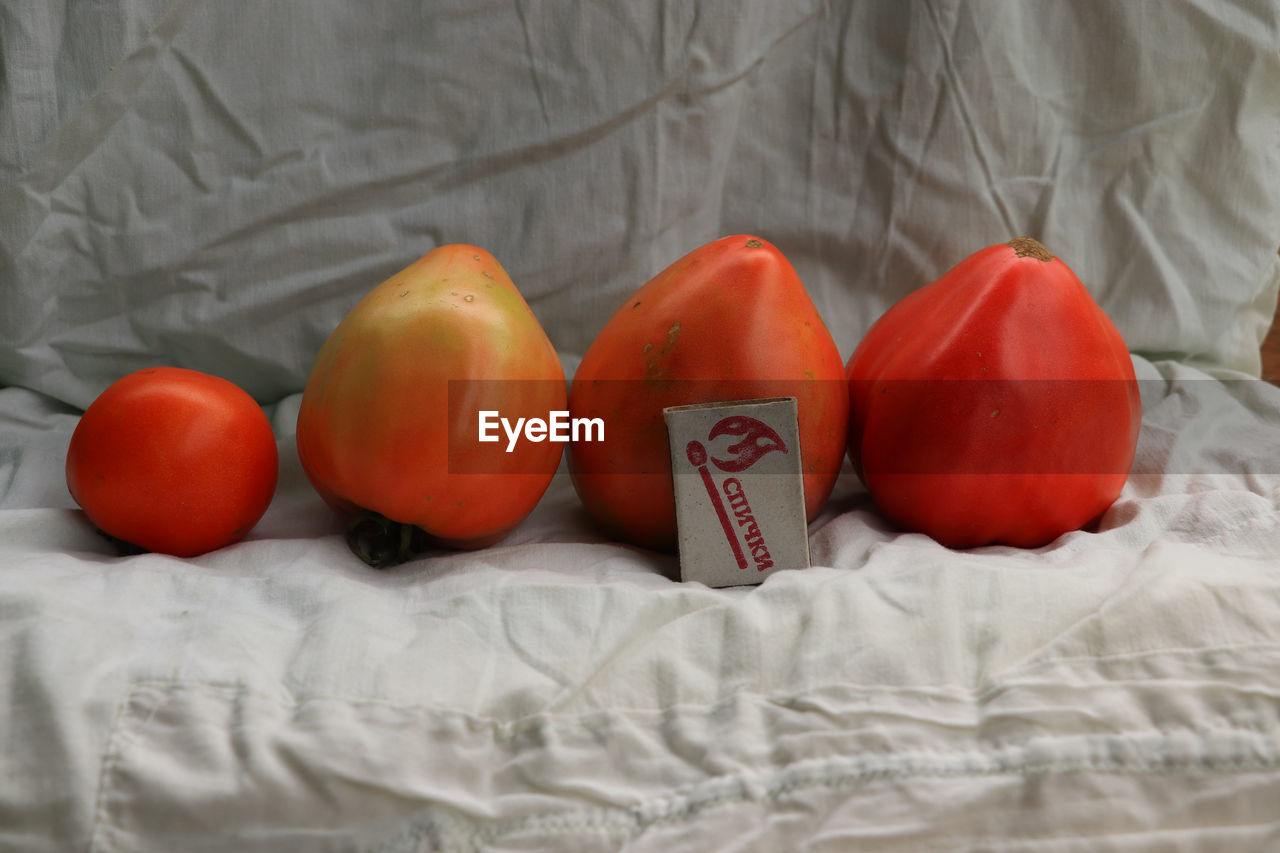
(1149, 653)
(445, 830)
(117, 742)
(1017, 843)
(508, 730)
(688, 804)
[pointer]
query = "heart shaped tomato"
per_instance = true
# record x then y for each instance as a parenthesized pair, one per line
(997, 404)
(388, 427)
(729, 321)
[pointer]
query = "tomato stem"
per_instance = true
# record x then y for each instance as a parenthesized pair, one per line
(383, 543)
(1029, 247)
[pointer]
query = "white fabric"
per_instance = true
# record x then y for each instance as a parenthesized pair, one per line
(1118, 689)
(212, 184)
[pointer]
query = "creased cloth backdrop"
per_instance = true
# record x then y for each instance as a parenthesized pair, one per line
(214, 183)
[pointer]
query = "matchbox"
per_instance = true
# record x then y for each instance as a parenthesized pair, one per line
(739, 490)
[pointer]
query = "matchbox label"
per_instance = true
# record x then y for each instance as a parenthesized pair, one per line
(739, 491)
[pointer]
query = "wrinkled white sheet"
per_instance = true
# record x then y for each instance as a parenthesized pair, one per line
(1117, 689)
(212, 183)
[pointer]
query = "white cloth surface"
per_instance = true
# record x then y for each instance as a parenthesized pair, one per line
(213, 183)
(1117, 689)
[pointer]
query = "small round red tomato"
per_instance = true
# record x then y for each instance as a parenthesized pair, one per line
(173, 461)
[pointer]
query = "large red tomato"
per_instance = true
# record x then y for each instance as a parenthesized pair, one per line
(389, 420)
(173, 461)
(729, 321)
(996, 405)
